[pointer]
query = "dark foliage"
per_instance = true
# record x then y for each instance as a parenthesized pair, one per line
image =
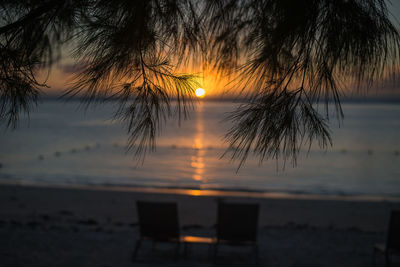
(286, 56)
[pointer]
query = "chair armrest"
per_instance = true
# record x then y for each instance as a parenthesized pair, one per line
(380, 247)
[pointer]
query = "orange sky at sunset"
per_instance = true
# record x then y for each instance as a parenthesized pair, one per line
(60, 76)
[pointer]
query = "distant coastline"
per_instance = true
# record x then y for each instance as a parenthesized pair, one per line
(395, 99)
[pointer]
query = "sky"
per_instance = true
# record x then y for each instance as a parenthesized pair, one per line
(60, 76)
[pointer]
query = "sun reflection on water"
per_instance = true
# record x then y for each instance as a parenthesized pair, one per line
(197, 160)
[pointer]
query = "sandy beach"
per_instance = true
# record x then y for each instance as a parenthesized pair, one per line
(42, 226)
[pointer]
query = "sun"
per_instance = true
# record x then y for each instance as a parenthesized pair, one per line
(200, 92)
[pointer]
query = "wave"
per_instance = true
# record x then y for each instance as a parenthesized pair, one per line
(216, 191)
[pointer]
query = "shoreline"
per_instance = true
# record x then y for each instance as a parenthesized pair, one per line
(217, 192)
(24, 203)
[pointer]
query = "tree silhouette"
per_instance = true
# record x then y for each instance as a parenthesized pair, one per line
(285, 56)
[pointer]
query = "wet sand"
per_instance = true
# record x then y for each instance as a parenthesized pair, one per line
(43, 226)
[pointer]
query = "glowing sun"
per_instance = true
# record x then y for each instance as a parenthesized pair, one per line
(200, 92)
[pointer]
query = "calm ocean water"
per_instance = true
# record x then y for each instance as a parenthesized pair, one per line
(62, 145)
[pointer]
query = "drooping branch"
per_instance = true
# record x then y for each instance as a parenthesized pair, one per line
(42, 10)
(313, 48)
(285, 56)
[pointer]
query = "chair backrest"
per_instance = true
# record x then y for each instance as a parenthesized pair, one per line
(237, 223)
(393, 238)
(158, 220)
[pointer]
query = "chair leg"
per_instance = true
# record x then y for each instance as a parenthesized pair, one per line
(387, 258)
(185, 250)
(256, 253)
(135, 252)
(215, 252)
(177, 251)
(374, 258)
(209, 251)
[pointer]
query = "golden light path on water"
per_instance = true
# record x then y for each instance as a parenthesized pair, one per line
(197, 160)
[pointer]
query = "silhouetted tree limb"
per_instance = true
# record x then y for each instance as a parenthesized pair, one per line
(286, 57)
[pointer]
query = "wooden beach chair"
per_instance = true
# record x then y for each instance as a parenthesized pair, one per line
(158, 222)
(392, 245)
(237, 225)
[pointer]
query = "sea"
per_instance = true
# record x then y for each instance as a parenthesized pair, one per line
(63, 144)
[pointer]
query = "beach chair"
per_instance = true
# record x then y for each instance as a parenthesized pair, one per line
(237, 225)
(392, 245)
(158, 222)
